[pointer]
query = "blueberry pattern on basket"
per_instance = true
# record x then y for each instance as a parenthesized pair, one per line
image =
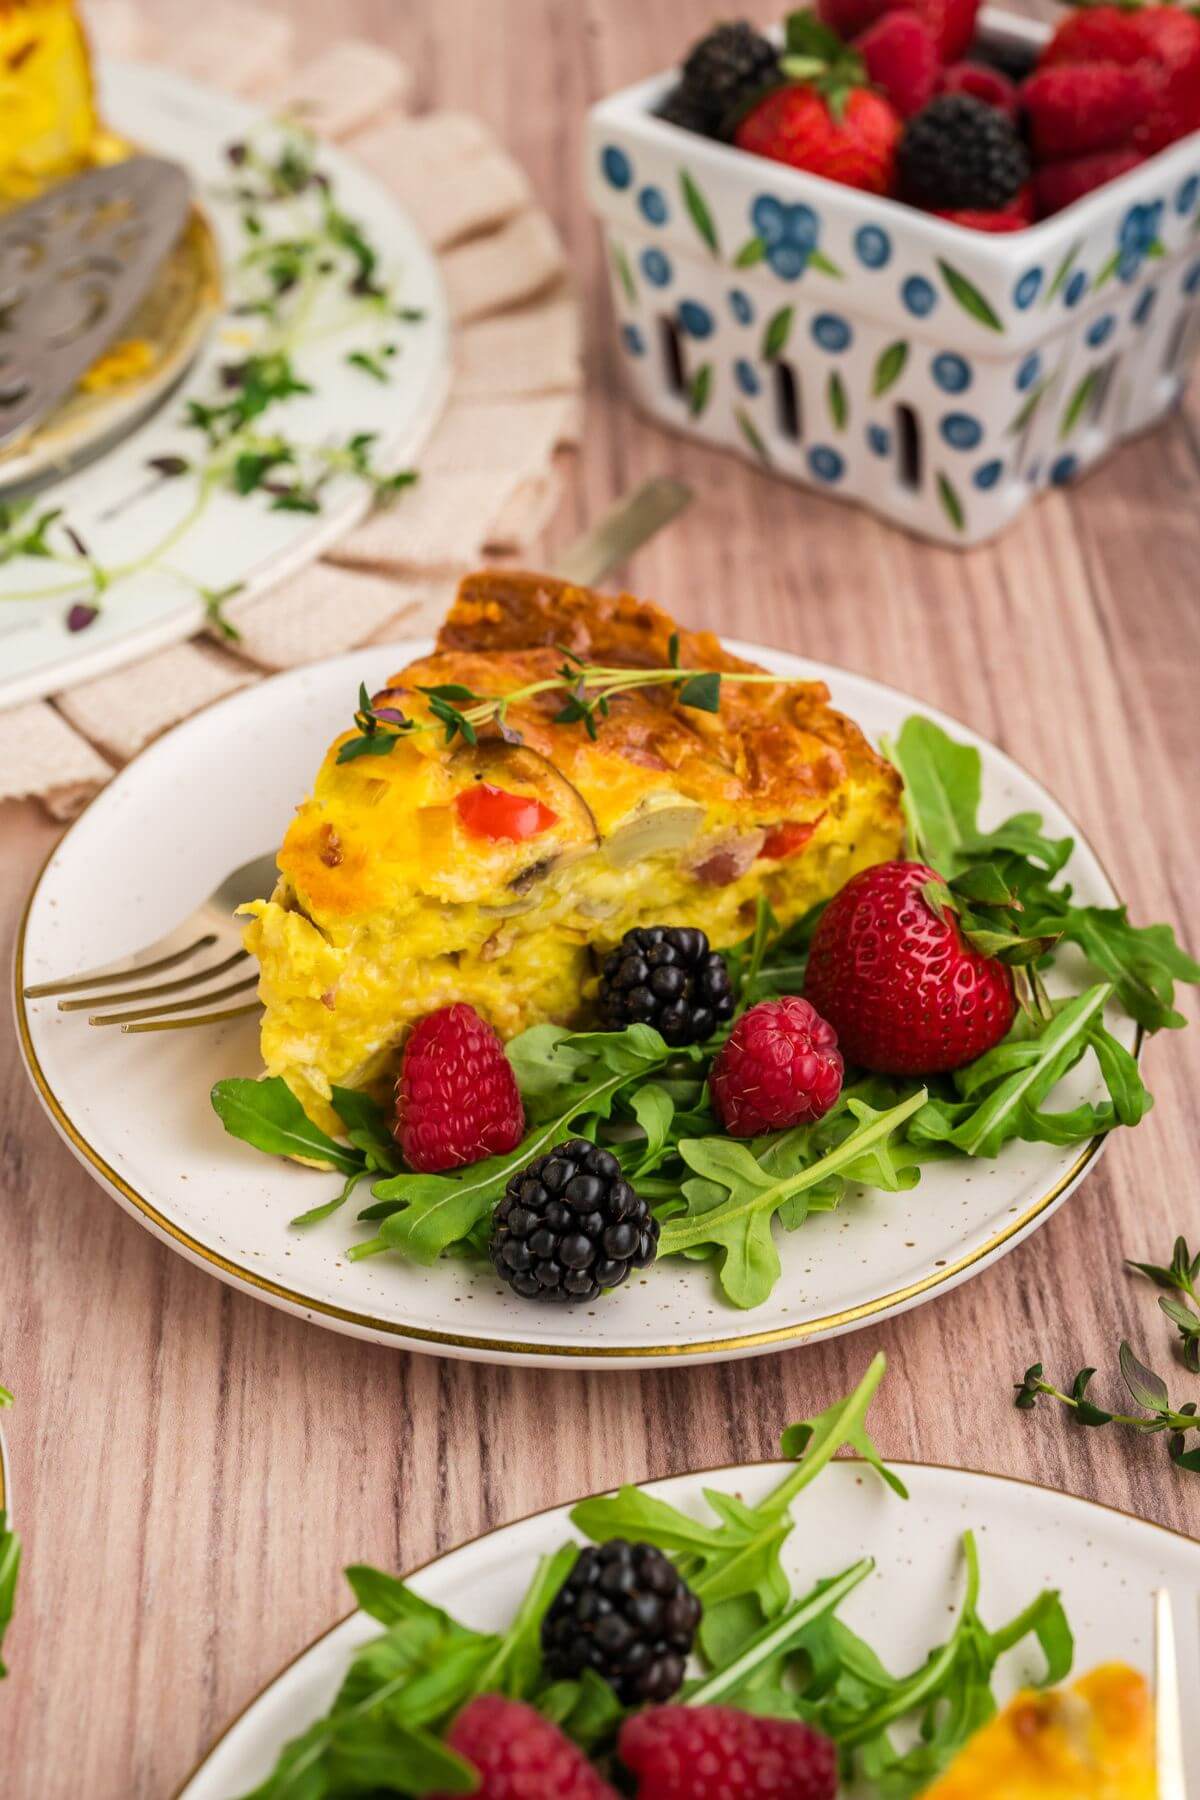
(831, 332)
(652, 204)
(1076, 288)
(1062, 469)
(656, 268)
(616, 166)
(879, 440)
(1137, 238)
(741, 306)
(1027, 289)
(1187, 195)
(1145, 306)
(1191, 281)
(789, 234)
(1100, 330)
(746, 377)
(961, 431)
(695, 320)
(826, 463)
(633, 340)
(872, 246)
(919, 296)
(1029, 371)
(952, 373)
(988, 474)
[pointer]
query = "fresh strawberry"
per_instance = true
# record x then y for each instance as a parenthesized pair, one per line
(715, 1752)
(902, 58)
(1058, 184)
(906, 994)
(985, 84)
(1013, 217)
(519, 1755)
(1076, 108)
(1171, 38)
(779, 1067)
(457, 1099)
(853, 141)
(952, 22)
(1163, 40)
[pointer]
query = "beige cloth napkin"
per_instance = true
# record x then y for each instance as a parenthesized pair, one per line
(491, 472)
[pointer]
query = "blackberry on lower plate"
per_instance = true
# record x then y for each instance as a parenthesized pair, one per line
(959, 153)
(627, 1613)
(569, 1226)
(666, 976)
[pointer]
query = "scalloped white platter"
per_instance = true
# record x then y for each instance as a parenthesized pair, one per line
(116, 507)
(135, 1109)
(1107, 1565)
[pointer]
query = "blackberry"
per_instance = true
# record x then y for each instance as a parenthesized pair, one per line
(666, 976)
(958, 152)
(626, 1612)
(729, 67)
(569, 1226)
(680, 109)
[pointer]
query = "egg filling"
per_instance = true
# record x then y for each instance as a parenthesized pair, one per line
(499, 873)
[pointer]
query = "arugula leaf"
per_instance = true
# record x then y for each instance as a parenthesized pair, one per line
(737, 1198)
(10, 1564)
(943, 784)
(268, 1115)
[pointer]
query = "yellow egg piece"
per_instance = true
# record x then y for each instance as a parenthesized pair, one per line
(392, 902)
(48, 121)
(1092, 1741)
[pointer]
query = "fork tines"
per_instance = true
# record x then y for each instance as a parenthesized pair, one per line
(158, 1016)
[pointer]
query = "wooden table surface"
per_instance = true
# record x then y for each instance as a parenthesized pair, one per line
(191, 1469)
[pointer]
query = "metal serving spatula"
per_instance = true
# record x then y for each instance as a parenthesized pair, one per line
(73, 266)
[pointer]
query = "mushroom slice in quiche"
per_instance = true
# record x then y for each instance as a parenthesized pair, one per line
(498, 872)
(1092, 1741)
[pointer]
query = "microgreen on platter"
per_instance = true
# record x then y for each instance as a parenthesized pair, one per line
(760, 1646)
(1147, 1390)
(1180, 1278)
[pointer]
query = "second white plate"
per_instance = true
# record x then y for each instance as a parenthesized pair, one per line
(219, 790)
(1106, 1565)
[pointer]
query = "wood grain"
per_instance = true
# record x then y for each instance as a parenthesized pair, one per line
(192, 1469)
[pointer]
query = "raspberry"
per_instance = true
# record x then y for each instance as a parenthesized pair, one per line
(903, 59)
(1013, 217)
(779, 1067)
(520, 1755)
(718, 1753)
(1078, 108)
(989, 85)
(905, 992)
(1059, 183)
(456, 1095)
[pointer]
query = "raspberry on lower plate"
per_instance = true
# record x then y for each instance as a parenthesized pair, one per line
(625, 1612)
(520, 1755)
(457, 1099)
(780, 1066)
(719, 1753)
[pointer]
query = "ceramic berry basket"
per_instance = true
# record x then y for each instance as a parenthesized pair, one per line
(939, 375)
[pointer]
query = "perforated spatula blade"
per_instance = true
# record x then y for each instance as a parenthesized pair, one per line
(74, 264)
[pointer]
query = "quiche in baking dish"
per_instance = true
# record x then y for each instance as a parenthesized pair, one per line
(498, 872)
(1091, 1741)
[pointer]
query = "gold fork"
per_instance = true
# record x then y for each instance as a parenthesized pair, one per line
(212, 926)
(1168, 1713)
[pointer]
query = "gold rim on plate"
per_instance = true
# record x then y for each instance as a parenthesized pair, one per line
(764, 1462)
(744, 1341)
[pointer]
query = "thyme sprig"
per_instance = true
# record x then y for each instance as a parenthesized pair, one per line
(1181, 1276)
(589, 690)
(1147, 1390)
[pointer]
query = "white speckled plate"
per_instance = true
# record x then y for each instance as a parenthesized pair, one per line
(219, 790)
(1106, 1564)
(121, 513)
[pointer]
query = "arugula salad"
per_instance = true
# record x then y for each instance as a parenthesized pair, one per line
(759, 1647)
(720, 1198)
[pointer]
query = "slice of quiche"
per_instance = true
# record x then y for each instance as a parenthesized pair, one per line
(498, 872)
(1092, 1741)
